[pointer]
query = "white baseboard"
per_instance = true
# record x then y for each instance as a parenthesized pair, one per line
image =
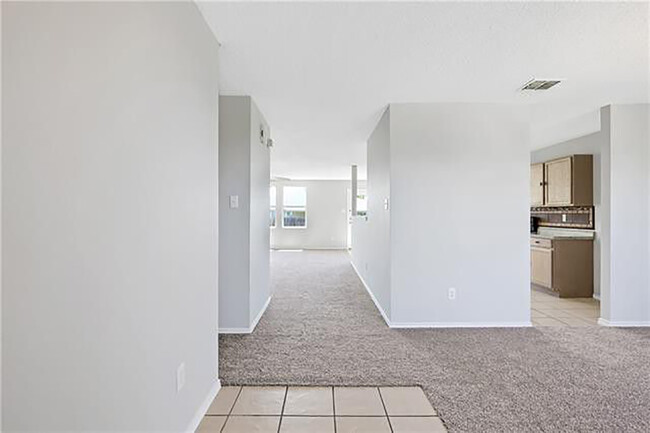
(259, 315)
(399, 325)
(251, 328)
(372, 296)
(597, 296)
(402, 325)
(298, 249)
(623, 324)
(203, 409)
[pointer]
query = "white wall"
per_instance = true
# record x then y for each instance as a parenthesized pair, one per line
(234, 224)
(630, 215)
(457, 176)
(596, 144)
(326, 216)
(244, 166)
(371, 236)
(260, 174)
(109, 215)
(459, 216)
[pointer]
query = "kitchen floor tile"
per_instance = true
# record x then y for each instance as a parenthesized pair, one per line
(547, 321)
(365, 424)
(574, 321)
(211, 424)
(353, 401)
(224, 400)
(252, 424)
(535, 314)
(260, 400)
(406, 401)
(309, 401)
(409, 424)
(303, 424)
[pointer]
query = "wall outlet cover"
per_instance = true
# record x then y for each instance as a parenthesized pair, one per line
(452, 293)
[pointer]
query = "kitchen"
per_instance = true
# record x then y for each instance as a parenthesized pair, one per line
(562, 238)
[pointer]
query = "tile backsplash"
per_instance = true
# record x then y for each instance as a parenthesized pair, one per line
(577, 217)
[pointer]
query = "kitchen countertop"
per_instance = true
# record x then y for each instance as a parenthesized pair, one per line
(551, 233)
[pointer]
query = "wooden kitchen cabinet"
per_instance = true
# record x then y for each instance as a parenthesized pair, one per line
(541, 266)
(564, 266)
(569, 181)
(537, 184)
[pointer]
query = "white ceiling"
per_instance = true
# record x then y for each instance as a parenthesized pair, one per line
(323, 72)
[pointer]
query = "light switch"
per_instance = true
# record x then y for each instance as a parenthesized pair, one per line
(385, 204)
(234, 201)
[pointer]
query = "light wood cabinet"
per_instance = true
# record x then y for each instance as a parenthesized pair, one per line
(537, 185)
(541, 266)
(565, 266)
(565, 181)
(558, 182)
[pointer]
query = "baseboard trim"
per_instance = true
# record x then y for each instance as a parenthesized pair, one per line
(203, 409)
(401, 325)
(260, 314)
(372, 296)
(299, 249)
(623, 324)
(597, 296)
(251, 328)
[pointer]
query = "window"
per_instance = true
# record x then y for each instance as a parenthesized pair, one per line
(362, 203)
(294, 207)
(272, 213)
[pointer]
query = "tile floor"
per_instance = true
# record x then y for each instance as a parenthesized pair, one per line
(320, 410)
(549, 310)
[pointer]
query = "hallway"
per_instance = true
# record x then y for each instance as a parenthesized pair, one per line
(321, 328)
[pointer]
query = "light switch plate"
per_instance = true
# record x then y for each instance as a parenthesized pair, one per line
(234, 201)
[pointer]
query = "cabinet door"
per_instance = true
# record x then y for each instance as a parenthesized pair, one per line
(559, 182)
(541, 266)
(537, 184)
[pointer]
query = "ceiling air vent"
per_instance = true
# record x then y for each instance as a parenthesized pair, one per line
(536, 84)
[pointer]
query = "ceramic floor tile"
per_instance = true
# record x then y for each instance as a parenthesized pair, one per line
(547, 321)
(406, 401)
(309, 401)
(576, 322)
(303, 424)
(224, 400)
(252, 424)
(366, 424)
(211, 424)
(260, 400)
(559, 314)
(358, 401)
(535, 314)
(430, 424)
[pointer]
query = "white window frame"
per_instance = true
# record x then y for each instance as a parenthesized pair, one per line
(294, 208)
(274, 206)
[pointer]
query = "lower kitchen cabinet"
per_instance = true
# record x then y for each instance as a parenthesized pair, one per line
(563, 265)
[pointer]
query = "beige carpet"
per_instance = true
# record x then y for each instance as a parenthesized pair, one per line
(322, 328)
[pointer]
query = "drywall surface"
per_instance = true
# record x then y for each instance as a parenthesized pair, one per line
(630, 214)
(260, 174)
(109, 216)
(596, 144)
(371, 237)
(459, 214)
(234, 223)
(326, 216)
(244, 164)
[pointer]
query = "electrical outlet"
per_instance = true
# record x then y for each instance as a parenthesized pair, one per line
(180, 377)
(452, 293)
(563, 217)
